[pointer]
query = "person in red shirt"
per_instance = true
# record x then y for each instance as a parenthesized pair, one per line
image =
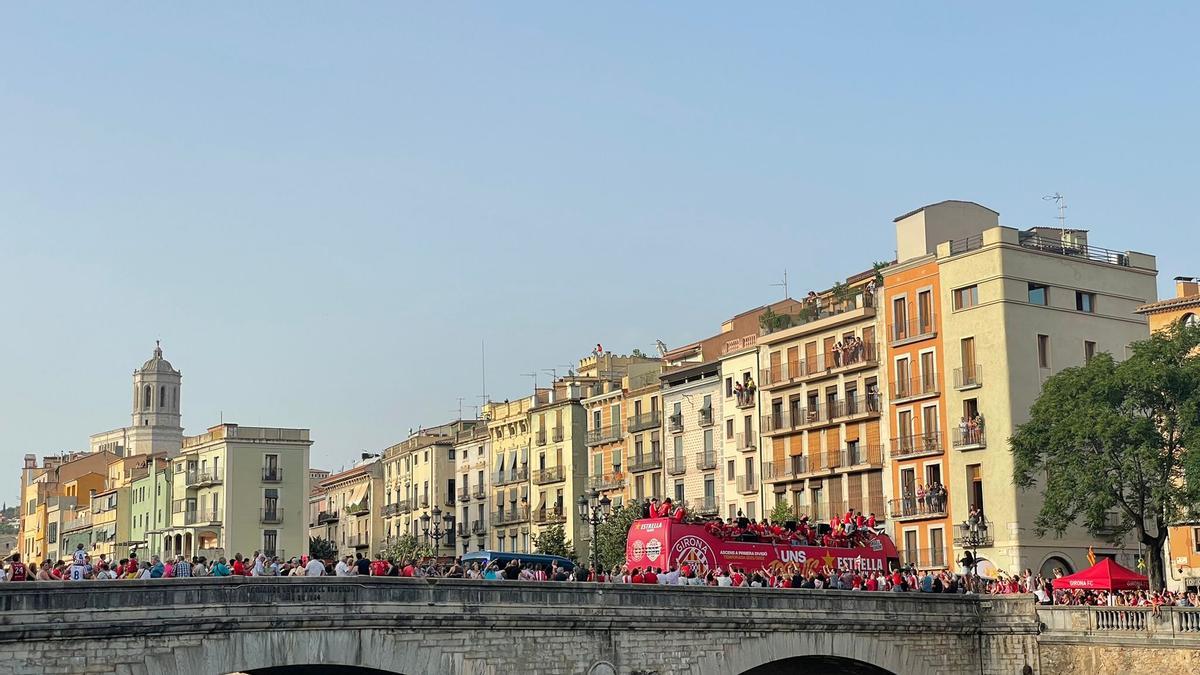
(636, 577)
(649, 577)
(16, 569)
(738, 578)
(379, 566)
(871, 521)
(239, 567)
(872, 583)
(678, 515)
(665, 508)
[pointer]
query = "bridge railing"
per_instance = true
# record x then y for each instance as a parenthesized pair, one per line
(1173, 625)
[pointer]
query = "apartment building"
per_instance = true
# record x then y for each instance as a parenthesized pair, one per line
(240, 489)
(607, 468)
(422, 474)
(917, 417)
(739, 442)
(821, 403)
(559, 474)
(77, 475)
(472, 456)
(691, 397)
(1183, 538)
(643, 435)
(354, 507)
(150, 503)
(508, 425)
(1012, 308)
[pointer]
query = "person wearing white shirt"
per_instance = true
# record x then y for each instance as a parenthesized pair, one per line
(314, 568)
(343, 568)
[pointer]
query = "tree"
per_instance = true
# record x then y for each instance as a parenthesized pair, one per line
(407, 547)
(612, 534)
(842, 295)
(1121, 437)
(321, 548)
(553, 541)
(783, 511)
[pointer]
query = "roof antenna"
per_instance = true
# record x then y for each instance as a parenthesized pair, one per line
(1061, 202)
(784, 285)
(534, 376)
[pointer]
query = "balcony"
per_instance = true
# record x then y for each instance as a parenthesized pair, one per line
(676, 466)
(270, 516)
(968, 378)
(358, 541)
(910, 508)
(461, 529)
(202, 478)
(969, 438)
(707, 506)
(915, 387)
(390, 510)
(924, 558)
(549, 515)
(746, 399)
(913, 330)
(644, 421)
(552, 474)
(608, 481)
(541, 437)
(479, 492)
(606, 435)
(748, 484)
(423, 502)
(705, 417)
(362, 508)
(745, 442)
(861, 302)
(404, 506)
(519, 514)
(706, 460)
(1075, 249)
(788, 469)
(675, 423)
(645, 462)
(327, 517)
(201, 517)
(916, 445)
(556, 434)
(272, 474)
(464, 494)
(970, 535)
(862, 457)
(478, 527)
(512, 476)
(449, 500)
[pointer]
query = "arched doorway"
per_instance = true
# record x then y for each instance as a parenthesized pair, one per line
(826, 665)
(316, 670)
(1054, 561)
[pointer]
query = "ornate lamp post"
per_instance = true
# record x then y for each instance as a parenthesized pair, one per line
(433, 532)
(593, 512)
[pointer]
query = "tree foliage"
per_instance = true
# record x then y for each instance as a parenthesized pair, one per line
(612, 534)
(783, 511)
(1114, 437)
(407, 547)
(321, 548)
(553, 541)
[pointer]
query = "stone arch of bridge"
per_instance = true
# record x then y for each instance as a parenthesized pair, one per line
(826, 651)
(298, 652)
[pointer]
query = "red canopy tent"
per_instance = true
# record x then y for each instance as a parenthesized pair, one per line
(1105, 575)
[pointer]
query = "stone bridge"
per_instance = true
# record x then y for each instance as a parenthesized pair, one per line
(280, 626)
(384, 626)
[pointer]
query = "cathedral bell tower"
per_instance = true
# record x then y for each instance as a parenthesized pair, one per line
(156, 420)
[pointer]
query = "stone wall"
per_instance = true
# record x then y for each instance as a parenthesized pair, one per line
(185, 627)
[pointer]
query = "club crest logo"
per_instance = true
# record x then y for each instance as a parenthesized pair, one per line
(653, 549)
(637, 551)
(695, 553)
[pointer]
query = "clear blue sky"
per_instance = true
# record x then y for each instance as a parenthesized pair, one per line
(322, 211)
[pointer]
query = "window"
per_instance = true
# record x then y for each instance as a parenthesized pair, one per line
(731, 470)
(1043, 348)
(1089, 351)
(679, 491)
(899, 319)
(708, 441)
(966, 297)
(925, 312)
(270, 540)
(1085, 302)
(729, 428)
(1039, 294)
(1196, 539)
(729, 387)
(678, 448)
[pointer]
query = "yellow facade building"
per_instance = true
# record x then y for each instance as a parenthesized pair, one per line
(354, 504)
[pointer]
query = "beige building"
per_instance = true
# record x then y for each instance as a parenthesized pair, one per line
(692, 402)
(420, 476)
(472, 456)
(1016, 307)
(643, 436)
(239, 490)
(354, 507)
(559, 471)
(741, 461)
(508, 424)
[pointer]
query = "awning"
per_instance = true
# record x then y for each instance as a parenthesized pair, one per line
(1105, 575)
(358, 493)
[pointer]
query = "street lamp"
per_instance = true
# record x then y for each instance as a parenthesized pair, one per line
(974, 535)
(593, 512)
(433, 532)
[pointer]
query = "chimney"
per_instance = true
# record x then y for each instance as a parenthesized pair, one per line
(1186, 287)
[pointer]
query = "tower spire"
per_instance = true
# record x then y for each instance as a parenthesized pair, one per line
(158, 348)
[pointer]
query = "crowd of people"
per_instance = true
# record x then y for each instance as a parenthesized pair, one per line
(845, 531)
(970, 430)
